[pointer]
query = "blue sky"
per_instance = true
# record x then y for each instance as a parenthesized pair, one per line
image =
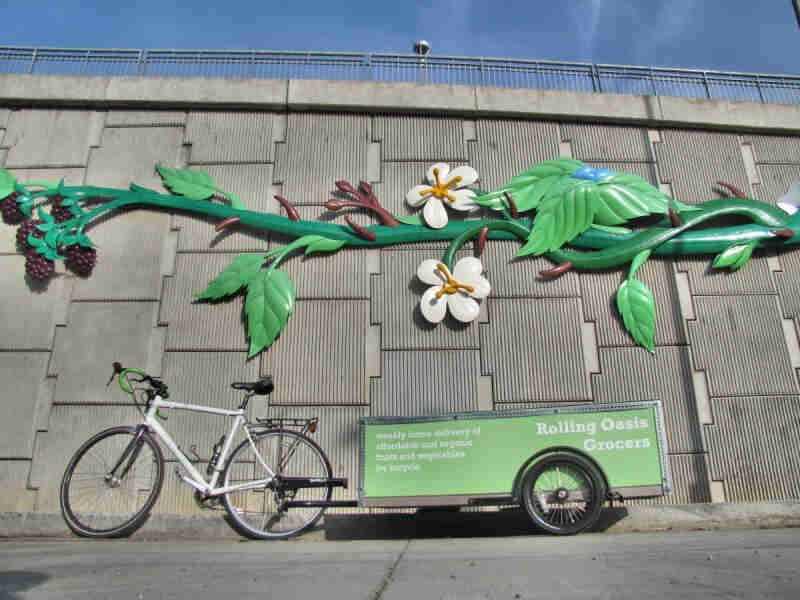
(758, 36)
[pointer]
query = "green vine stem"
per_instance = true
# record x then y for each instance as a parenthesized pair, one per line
(617, 248)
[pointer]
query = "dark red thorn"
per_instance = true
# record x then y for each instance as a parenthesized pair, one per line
(291, 211)
(557, 270)
(737, 193)
(673, 216)
(512, 205)
(482, 237)
(226, 223)
(783, 233)
(364, 233)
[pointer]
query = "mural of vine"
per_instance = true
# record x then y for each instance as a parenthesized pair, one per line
(562, 209)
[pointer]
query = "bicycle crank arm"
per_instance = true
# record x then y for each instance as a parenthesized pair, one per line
(319, 503)
(295, 483)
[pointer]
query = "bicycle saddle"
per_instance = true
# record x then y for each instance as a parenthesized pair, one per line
(262, 387)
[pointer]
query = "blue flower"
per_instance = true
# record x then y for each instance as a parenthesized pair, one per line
(591, 174)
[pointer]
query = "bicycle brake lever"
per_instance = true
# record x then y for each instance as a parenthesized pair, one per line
(117, 370)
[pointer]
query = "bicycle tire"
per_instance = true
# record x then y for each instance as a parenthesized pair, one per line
(563, 494)
(107, 514)
(255, 513)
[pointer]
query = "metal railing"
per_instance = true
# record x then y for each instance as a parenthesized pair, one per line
(453, 70)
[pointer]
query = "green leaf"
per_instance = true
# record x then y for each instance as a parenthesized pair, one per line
(51, 239)
(611, 229)
(323, 244)
(7, 183)
(734, 257)
(637, 307)
(638, 261)
(562, 216)
(410, 220)
(270, 301)
(239, 273)
(84, 241)
(195, 185)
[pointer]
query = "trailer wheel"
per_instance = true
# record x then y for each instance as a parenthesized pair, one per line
(563, 494)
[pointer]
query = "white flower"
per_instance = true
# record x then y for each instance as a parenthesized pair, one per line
(444, 190)
(457, 291)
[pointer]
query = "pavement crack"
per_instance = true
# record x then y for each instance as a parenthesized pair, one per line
(377, 593)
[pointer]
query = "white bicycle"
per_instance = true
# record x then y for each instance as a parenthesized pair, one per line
(276, 483)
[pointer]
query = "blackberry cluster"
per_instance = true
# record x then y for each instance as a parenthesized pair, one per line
(12, 215)
(37, 267)
(81, 260)
(24, 231)
(60, 212)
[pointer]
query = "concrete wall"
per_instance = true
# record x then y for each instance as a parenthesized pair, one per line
(727, 351)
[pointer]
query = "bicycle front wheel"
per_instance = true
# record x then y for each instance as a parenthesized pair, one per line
(259, 513)
(111, 483)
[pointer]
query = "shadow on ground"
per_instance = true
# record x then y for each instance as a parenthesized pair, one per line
(12, 582)
(445, 523)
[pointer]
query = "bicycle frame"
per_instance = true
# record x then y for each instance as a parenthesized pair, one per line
(195, 478)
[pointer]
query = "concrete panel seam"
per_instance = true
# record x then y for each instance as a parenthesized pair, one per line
(373, 260)
(717, 490)
(61, 308)
(792, 345)
(373, 351)
(280, 123)
(774, 263)
(700, 385)
(44, 401)
(470, 130)
(97, 121)
(485, 393)
(748, 156)
(684, 295)
(565, 148)
(169, 252)
(156, 349)
(590, 353)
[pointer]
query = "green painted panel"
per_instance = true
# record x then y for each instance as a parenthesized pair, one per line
(481, 453)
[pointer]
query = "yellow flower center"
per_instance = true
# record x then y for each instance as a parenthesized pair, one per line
(451, 286)
(442, 190)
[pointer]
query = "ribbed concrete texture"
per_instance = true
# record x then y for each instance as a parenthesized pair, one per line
(357, 344)
(230, 137)
(204, 378)
(68, 428)
(774, 149)
(503, 148)
(692, 162)
(689, 482)
(426, 382)
(395, 306)
(599, 291)
(26, 401)
(321, 356)
(223, 319)
(407, 137)
(515, 278)
(607, 142)
(753, 278)
(97, 334)
(753, 447)
(546, 363)
(47, 138)
(629, 375)
(776, 180)
(321, 149)
(739, 342)
(251, 183)
(28, 313)
(139, 118)
(129, 155)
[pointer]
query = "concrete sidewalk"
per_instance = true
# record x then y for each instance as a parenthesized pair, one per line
(442, 523)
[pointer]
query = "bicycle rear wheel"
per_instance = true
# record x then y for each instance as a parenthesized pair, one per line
(99, 503)
(258, 513)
